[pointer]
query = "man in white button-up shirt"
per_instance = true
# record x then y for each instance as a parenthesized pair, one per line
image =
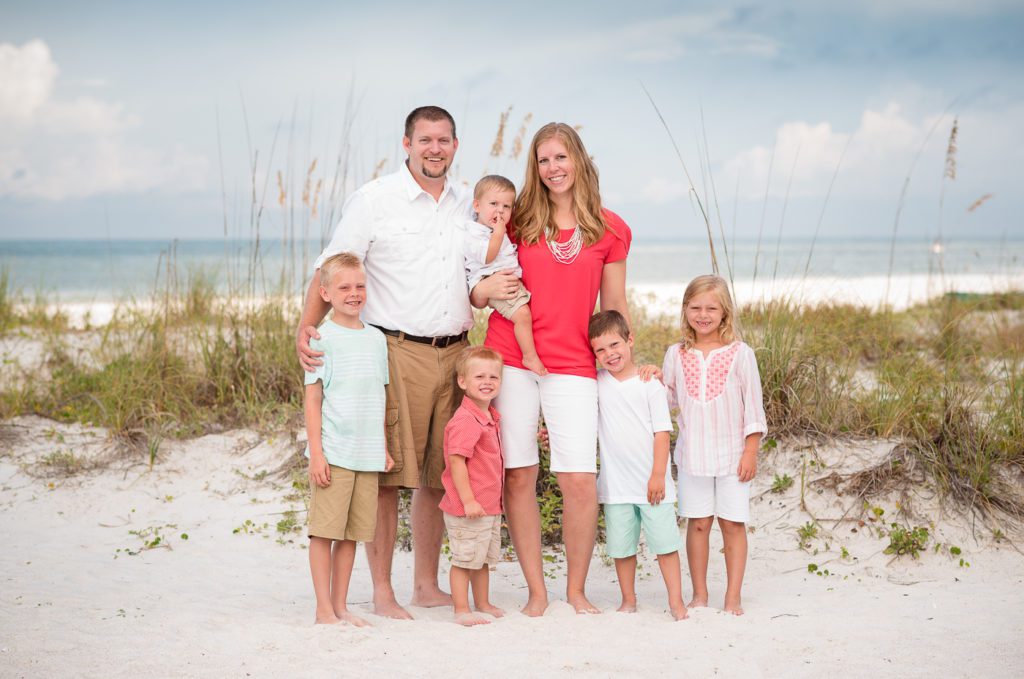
(406, 227)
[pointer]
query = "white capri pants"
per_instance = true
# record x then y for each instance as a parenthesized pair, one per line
(569, 404)
(723, 496)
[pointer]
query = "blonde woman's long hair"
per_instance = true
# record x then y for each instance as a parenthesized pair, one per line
(716, 284)
(534, 210)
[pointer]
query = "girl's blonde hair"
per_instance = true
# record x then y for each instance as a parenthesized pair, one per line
(534, 211)
(698, 286)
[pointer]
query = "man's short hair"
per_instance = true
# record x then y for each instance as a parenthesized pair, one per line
(605, 322)
(479, 352)
(334, 263)
(493, 182)
(431, 113)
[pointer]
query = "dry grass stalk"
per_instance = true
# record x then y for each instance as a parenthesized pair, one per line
(517, 143)
(282, 193)
(378, 168)
(498, 145)
(951, 151)
(981, 201)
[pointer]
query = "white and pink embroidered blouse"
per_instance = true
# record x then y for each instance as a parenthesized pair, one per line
(719, 401)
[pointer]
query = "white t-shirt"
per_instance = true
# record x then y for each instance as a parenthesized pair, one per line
(629, 414)
(478, 237)
(412, 248)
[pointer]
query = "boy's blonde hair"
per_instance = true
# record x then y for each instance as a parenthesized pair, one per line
(698, 286)
(605, 322)
(479, 352)
(493, 182)
(534, 210)
(334, 263)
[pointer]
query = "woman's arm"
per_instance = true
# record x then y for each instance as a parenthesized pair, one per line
(613, 289)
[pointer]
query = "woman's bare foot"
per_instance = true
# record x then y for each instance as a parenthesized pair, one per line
(733, 607)
(534, 363)
(583, 605)
(698, 602)
(679, 611)
(535, 607)
(352, 619)
(628, 606)
(326, 619)
(431, 599)
(471, 619)
(389, 608)
(491, 609)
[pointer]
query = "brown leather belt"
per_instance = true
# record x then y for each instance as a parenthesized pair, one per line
(439, 342)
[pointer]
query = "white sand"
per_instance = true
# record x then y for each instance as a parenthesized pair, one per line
(222, 604)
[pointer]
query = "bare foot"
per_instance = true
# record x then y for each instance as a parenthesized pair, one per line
(627, 607)
(326, 619)
(432, 598)
(582, 605)
(733, 607)
(534, 363)
(390, 609)
(471, 619)
(679, 611)
(491, 609)
(352, 619)
(698, 602)
(535, 607)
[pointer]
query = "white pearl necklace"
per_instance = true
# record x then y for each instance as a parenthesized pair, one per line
(567, 252)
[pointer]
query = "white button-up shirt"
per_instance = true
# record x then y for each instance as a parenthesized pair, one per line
(412, 249)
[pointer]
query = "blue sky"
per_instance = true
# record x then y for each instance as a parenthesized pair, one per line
(109, 111)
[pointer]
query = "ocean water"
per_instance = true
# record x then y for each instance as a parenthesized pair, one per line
(85, 271)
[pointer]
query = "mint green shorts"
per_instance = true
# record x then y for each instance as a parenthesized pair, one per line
(623, 523)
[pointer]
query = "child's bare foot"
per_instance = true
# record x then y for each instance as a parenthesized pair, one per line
(534, 363)
(352, 619)
(389, 608)
(326, 619)
(698, 602)
(733, 607)
(535, 607)
(627, 606)
(471, 619)
(679, 611)
(432, 598)
(491, 609)
(583, 605)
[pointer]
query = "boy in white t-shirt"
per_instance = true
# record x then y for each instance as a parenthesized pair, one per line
(635, 482)
(489, 250)
(344, 410)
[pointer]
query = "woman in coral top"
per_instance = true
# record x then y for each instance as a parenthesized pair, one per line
(572, 252)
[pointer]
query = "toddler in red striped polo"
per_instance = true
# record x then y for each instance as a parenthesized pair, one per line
(472, 480)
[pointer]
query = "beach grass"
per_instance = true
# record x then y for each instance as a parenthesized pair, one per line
(944, 380)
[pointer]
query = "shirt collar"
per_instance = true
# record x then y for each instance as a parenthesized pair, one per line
(413, 189)
(480, 416)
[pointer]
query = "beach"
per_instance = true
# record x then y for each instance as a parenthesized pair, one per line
(84, 595)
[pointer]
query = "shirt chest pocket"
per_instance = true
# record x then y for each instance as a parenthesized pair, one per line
(402, 239)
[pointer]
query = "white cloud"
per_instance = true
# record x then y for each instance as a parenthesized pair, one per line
(660, 191)
(878, 154)
(54, 148)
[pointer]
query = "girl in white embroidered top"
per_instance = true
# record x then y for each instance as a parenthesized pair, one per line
(712, 378)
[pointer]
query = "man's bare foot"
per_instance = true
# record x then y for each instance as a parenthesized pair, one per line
(491, 609)
(326, 619)
(627, 607)
(534, 363)
(698, 602)
(733, 607)
(582, 605)
(391, 609)
(471, 619)
(352, 619)
(535, 608)
(679, 611)
(431, 598)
